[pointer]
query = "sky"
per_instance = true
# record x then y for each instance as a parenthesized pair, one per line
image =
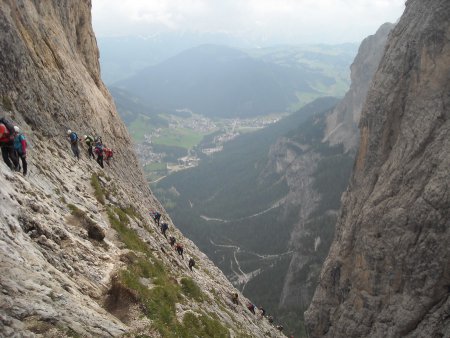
(259, 21)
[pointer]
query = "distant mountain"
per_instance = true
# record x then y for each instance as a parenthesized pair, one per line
(220, 81)
(124, 56)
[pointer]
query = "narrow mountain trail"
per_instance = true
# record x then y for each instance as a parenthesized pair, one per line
(245, 277)
(273, 206)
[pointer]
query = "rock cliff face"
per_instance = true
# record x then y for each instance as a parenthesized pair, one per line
(342, 123)
(301, 162)
(58, 276)
(388, 271)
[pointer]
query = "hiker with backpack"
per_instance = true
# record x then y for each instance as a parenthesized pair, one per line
(73, 139)
(90, 143)
(191, 263)
(235, 298)
(172, 241)
(179, 249)
(156, 217)
(20, 146)
(251, 307)
(108, 153)
(99, 151)
(164, 227)
(7, 144)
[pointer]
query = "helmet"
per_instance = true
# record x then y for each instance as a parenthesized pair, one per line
(16, 129)
(85, 136)
(2, 128)
(69, 132)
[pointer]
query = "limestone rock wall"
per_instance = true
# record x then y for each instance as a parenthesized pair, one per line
(342, 123)
(388, 270)
(55, 279)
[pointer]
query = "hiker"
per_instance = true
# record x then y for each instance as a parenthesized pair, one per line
(270, 319)
(263, 312)
(7, 144)
(99, 151)
(172, 241)
(180, 250)
(108, 154)
(251, 307)
(235, 298)
(191, 263)
(73, 139)
(20, 147)
(164, 227)
(280, 328)
(89, 142)
(156, 217)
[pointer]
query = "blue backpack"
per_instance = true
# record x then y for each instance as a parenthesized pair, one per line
(73, 137)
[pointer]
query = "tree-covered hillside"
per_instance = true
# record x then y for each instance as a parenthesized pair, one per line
(235, 206)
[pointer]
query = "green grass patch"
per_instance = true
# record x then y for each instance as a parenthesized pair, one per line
(191, 289)
(202, 326)
(155, 167)
(126, 235)
(179, 137)
(139, 127)
(98, 190)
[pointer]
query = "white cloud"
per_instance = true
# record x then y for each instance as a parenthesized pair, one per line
(295, 21)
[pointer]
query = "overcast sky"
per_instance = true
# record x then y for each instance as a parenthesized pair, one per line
(281, 21)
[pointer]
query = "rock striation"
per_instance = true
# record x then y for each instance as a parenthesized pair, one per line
(388, 273)
(79, 254)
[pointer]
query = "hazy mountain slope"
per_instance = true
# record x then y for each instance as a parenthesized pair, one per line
(221, 81)
(387, 273)
(59, 276)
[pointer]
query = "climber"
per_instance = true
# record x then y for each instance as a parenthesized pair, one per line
(164, 227)
(108, 154)
(263, 312)
(172, 240)
(270, 319)
(89, 142)
(73, 139)
(179, 249)
(251, 307)
(156, 217)
(99, 150)
(20, 146)
(7, 144)
(279, 327)
(235, 298)
(191, 263)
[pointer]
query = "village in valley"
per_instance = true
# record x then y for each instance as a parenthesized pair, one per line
(199, 136)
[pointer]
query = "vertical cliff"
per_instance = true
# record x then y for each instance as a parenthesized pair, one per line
(388, 272)
(79, 254)
(342, 122)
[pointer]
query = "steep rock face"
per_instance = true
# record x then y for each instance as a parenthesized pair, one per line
(343, 121)
(311, 237)
(388, 272)
(57, 278)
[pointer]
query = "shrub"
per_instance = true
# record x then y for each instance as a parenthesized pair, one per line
(191, 289)
(98, 190)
